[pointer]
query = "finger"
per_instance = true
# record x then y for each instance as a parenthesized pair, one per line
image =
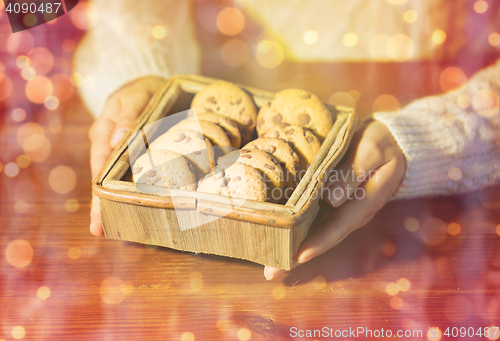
(347, 218)
(271, 272)
(95, 218)
(100, 149)
(130, 107)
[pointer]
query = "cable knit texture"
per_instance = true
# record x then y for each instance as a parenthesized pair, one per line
(121, 47)
(451, 142)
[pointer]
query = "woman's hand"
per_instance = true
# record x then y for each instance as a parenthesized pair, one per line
(120, 112)
(357, 190)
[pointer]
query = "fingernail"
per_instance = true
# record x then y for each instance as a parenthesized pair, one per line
(274, 274)
(118, 135)
(305, 257)
(336, 194)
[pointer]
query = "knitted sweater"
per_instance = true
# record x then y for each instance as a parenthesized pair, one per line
(451, 142)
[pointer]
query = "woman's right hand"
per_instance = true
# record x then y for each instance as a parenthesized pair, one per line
(121, 110)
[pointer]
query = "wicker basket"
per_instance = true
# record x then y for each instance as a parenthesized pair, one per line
(261, 232)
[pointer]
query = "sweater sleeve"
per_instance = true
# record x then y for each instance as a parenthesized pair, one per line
(452, 141)
(133, 39)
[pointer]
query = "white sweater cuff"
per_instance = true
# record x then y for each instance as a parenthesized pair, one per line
(97, 86)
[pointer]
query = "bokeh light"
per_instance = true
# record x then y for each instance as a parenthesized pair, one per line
(51, 103)
(62, 179)
(388, 249)
(439, 37)
(84, 15)
(497, 230)
(127, 288)
(378, 48)
(396, 302)
(319, 282)
(38, 89)
(269, 53)
(27, 130)
(411, 224)
(30, 19)
(278, 292)
(392, 289)
(480, 6)
(244, 334)
(400, 47)
(354, 94)
(22, 62)
(71, 205)
(350, 39)
(20, 43)
(18, 332)
(494, 333)
(110, 290)
(433, 231)
(463, 101)
(18, 115)
(403, 284)
(342, 98)
(19, 253)
(5, 88)
(230, 21)
(485, 102)
(494, 39)
(454, 173)
(451, 78)
(447, 119)
(159, 32)
(43, 293)
(2, 70)
(62, 86)
(50, 18)
(434, 334)
(68, 45)
(11, 169)
(187, 336)
(36, 145)
(74, 253)
(23, 161)
(234, 52)
(410, 16)
(41, 59)
(28, 73)
(196, 281)
(453, 229)
(385, 102)
(310, 37)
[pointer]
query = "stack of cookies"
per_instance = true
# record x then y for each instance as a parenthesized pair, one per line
(203, 152)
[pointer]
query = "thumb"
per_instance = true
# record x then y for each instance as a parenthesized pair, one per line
(130, 108)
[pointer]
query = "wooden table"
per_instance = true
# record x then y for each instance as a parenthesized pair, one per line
(80, 287)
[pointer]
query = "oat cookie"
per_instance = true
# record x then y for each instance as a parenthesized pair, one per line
(295, 106)
(191, 144)
(237, 180)
(303, 141)
(211, 131)
(264, 162)
(228, 125)
(169, 169)
(228, 100)
(280, 149)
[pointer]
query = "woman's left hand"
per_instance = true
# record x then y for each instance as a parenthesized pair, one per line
(357, 190)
